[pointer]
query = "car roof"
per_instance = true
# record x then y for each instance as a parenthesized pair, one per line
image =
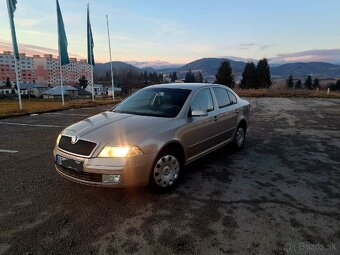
(191, 86)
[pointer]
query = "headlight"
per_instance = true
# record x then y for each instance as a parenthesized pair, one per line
(58, 139)
(120, 152)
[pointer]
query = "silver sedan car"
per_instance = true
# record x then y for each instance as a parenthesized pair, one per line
(149, 137)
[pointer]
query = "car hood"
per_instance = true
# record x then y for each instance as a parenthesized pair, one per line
(117, 128)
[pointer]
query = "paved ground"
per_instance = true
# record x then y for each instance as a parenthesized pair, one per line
(280, 195)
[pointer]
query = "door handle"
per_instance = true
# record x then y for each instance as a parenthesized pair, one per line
(237, 110)
(216, 118)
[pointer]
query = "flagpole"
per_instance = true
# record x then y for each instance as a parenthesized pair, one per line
(61, 81)
(108, 34)
(11, 21)
(92, 82)
(18, 82)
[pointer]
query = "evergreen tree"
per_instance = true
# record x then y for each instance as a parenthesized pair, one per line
(309, 82)
(263, 77)
(189, 77)
(160, 78)
(199, 77)
(298, 84)
(145, 76)
(316, 83)
(8, 82)
(289, 82)
(337, 85)
(83, 82)
(108, 76)
(248, 76)
(224, 75)
(173, 77)
(334, 86)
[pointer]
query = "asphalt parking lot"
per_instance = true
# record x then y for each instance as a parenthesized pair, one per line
(279, 195)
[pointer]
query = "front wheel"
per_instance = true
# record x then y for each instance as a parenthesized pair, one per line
(166, 171)
(240, 138)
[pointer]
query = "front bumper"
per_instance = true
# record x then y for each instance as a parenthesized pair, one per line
(134, 171)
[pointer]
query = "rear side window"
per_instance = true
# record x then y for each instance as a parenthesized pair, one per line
(232, 98)
(203, 101)
(222, 97)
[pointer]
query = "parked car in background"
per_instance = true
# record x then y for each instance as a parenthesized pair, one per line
(151, 135)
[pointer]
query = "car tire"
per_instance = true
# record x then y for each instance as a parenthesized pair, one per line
(165, 172)
(240, 138)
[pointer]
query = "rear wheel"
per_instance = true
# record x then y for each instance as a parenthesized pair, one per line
(166, 170)
(240, 138)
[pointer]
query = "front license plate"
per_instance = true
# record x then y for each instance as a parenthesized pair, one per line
(70, 164)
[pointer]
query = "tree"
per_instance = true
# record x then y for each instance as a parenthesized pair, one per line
(83, 82)
(263, 77)
(309, 82)
(199, 78)
(224, 75)
(145, 76)
(173, 77)
(189, 77)
(334, 86)
(160, 78)
(248, 76)
(316, 83)
(8, 82)
(289, 82)
(298, 84)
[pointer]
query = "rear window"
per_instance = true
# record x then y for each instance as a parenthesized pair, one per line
(232, 98)
(222, 97)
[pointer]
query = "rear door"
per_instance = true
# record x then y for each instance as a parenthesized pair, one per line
(226, 114)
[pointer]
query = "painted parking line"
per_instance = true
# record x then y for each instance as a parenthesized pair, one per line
(30, 125)
(8, 151)
(67, 114)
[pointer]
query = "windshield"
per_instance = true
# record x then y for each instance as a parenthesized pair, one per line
(159, 102)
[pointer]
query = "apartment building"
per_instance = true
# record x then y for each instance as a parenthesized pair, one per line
(7, 68)
(42, 69)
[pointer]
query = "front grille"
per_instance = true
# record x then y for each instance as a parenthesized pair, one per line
(81, 175)
(81, 147)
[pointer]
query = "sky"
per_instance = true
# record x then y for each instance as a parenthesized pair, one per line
(180, 31)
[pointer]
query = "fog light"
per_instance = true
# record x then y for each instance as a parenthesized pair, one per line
(111, 178)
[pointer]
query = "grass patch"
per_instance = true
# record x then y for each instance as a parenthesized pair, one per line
(9, 108)
(286, 93)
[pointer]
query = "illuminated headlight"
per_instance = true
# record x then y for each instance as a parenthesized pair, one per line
(120, 152)
(58, 139)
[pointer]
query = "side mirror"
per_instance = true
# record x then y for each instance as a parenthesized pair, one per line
(198, 113)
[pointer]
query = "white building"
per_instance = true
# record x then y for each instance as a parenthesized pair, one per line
(7, 68)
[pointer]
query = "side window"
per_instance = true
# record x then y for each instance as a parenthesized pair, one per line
(222, 97)
(203, 101)
(232, 98)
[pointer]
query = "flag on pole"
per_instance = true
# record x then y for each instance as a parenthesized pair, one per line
(11, 5)
(62, 39)
(90, 44)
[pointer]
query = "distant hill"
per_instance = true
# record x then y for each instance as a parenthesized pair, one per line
(303, 69)
(209, 66)
(117, 66)
(154, 65)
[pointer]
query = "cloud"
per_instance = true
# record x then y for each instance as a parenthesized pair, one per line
(266, 46)
(246, 46)
(31, 50)
(325, 55)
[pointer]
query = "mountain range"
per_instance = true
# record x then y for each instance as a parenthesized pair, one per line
(209, 66)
